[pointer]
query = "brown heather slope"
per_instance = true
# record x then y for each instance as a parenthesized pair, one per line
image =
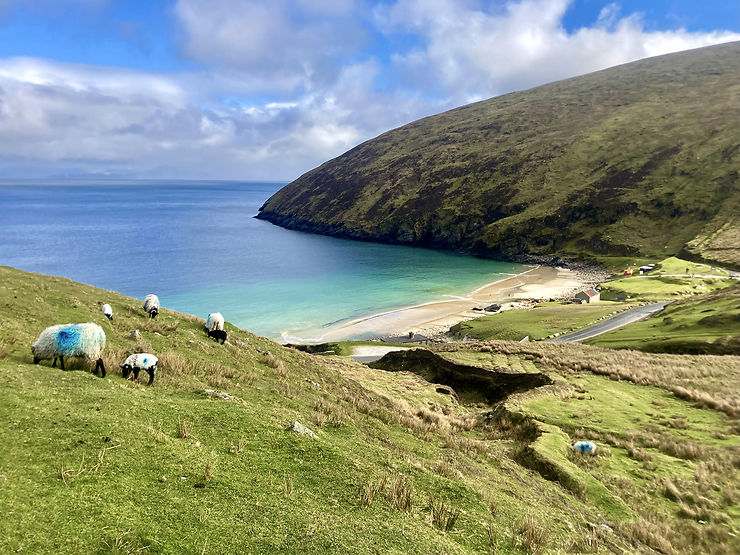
(639, 158)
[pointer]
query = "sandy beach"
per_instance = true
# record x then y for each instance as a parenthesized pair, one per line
(435, 318)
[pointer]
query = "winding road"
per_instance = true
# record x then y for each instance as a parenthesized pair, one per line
(627, 317)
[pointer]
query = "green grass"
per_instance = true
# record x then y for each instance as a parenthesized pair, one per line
(705, 324)
(603, 165)
(539, 322)
(673, 265)
(656, 287)
(110, 465)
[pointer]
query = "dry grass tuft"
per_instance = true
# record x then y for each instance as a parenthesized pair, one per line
(287, 485)
(367, 491)
(443, 516)
(533, 536)
(183, 429)
(156, 433)
(400, 494)
(209, 470)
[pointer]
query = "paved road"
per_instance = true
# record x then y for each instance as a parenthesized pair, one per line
(632, 315)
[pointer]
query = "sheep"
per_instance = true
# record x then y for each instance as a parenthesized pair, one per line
(214, 321)
(151, 305)
(140, 361)
(218, 335)
(71, 340)
(585, 447)
(108, 311)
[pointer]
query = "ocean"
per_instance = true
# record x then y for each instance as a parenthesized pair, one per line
(197, 246)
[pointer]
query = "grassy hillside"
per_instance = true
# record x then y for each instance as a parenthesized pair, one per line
(637, 159)
(706, 324)
(399, 465)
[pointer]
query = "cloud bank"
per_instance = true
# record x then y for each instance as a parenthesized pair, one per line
(277, 88)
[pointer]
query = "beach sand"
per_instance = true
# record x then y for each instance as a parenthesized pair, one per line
(435, 318)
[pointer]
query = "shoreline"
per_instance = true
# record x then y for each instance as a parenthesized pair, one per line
(433, 319)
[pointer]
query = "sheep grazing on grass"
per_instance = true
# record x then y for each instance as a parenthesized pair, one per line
(71, 340)
(215, 327)
(218, 335)
(108, 311)
(585, 447)
(140, 361)
(151, 305)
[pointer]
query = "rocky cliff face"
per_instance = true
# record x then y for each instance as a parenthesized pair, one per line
(640, 158)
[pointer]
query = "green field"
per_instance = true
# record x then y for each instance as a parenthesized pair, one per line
(539, 322)
(110, 465)
(656, 288)
(704, 324)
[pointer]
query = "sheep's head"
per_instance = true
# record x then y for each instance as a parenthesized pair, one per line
(153, 312)
(126, 370)
(36, 359)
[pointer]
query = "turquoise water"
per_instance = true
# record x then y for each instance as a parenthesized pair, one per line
(198, 247)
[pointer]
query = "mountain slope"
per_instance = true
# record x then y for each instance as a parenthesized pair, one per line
(640, 158)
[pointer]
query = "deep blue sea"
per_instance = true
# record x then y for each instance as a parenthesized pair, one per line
(197, 246)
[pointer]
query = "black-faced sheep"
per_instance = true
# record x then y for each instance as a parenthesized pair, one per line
(215, 327)
(151, 305)
(71, 340)
(108, 312)
(137, 362)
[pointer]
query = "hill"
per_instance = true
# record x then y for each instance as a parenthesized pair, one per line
(202, 460)
(637, 159)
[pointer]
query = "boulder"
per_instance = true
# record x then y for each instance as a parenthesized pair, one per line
(299, 428)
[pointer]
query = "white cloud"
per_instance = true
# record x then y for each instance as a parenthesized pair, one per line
(468, 50)
(278, 46)
(283, 86)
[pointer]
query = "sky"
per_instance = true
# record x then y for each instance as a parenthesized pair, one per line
(268, 89)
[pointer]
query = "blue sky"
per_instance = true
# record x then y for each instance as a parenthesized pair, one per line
(247, 89)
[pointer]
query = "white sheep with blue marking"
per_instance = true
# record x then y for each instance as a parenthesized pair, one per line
(71, 340)
(108, 312)
(585, 447)
(140, 361)
(215, 327)
(151, 305)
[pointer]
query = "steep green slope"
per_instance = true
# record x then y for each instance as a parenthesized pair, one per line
(640, 158)
(399, 465)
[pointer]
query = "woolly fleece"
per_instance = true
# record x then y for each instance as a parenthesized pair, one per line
(150, 302)
(142, 361)
(70, 340)
(215, 321)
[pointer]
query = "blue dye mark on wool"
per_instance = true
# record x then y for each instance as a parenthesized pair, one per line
(144, 360)
(68, 340)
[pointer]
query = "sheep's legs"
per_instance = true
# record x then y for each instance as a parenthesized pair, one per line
(99, 364)
(136, 374)
(151, 376)
(61, 362)
(53, 363)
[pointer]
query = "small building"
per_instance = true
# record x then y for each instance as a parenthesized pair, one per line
(588, 296)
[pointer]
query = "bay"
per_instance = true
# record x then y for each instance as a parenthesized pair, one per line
(197, 246)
